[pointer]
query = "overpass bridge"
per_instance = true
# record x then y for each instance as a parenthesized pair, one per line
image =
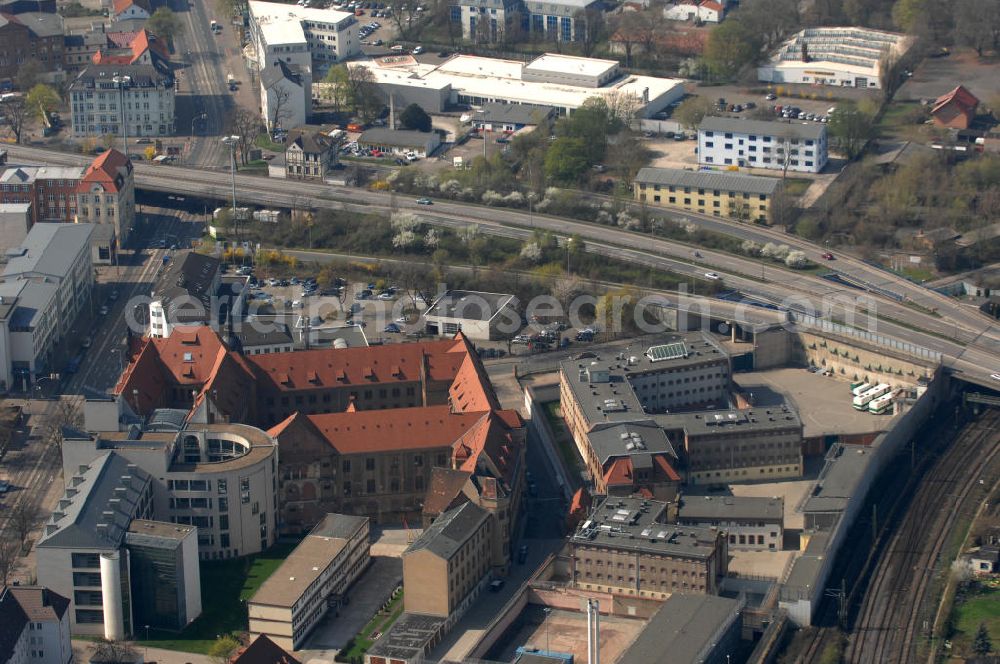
(967, 341)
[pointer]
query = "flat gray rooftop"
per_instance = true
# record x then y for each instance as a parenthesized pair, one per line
(804, 574)
(408, 637)
(711, 508)
(635, 525)
(714, 422)
(468, 305)
(838, 481)
(601, 385)
(685, 626)
(630, 439)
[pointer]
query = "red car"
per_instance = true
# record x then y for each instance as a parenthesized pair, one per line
(828, 256)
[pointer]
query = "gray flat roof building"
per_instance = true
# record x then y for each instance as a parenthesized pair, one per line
(731, 508)
(48, 250)
(688, 629)
(472, 305)
(409, 638)
(735, 182)
(602, 386)
(713, 422)
(513, 114)
(634, 524)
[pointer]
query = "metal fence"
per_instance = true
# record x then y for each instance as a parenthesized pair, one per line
(823, 325)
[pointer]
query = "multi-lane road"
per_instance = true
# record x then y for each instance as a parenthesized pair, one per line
(969, 340)
(203, 103)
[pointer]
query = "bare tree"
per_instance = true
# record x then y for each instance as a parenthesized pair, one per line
(9, 559)
(280, 95)
(409, 20)
(109, 651)
(24, 518)
(65, 414)
(245, 124)
(590, 29)
(15, 115)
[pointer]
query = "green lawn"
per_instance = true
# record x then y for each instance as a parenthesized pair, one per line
(796, 186)
(980, 605)
(264, 142)
(224, 586)
(356, 648)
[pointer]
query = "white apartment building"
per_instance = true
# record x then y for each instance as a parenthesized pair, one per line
(285, 95)
(96, 101)
(34, 626)
(308, 37)
(732, 143)
(311, 580)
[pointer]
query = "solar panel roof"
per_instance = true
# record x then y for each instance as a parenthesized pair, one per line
(671, 351)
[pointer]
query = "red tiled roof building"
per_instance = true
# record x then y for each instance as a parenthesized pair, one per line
(360, 430)
(956, 110)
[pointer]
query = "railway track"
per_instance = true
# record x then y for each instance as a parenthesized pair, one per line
(886, 627)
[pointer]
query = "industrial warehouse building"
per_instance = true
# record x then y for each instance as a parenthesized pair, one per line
(843, 56)
(563, 82)
(734, 195)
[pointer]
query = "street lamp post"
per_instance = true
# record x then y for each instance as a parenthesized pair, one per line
(231, 142)
(122, 83)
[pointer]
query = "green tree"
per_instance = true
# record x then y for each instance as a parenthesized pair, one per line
(566, 160)
(339, 90)
(851, 128)
(909, 14)
(42, 100)
(591, 123)
(982, 644)
(730, 46)
(692, 111)
(165, 24)
(414, 117)
(223, 647)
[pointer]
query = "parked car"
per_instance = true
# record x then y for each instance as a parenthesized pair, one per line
(497, 586)
(828, 256)
(522, 554)
(424, 201)
(103, 310)
(391, 328)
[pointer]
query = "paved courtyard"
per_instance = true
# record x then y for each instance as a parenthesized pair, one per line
(366, 597)
(823, 402)
(566, 632)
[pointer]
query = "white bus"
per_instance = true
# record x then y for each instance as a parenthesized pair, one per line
(862, 400)
(881, 405)
(861, 389)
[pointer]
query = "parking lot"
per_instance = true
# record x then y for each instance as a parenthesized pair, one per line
(823, 402)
